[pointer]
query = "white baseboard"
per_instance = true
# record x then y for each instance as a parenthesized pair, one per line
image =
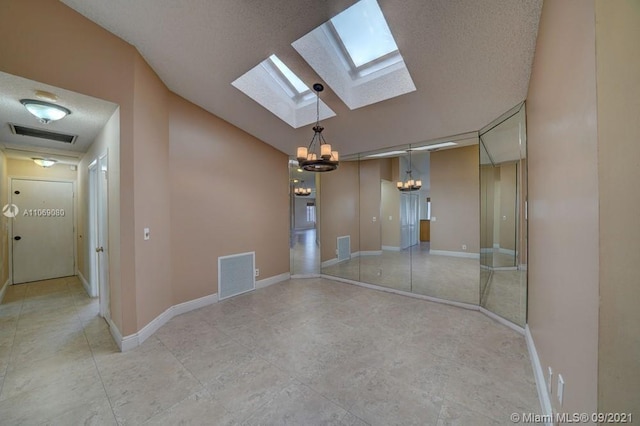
(502, 321)
(390, 248)
(115, 333)
(272, 280)
(370, 253)
(131, 341)
(402, 293)
(85, 284)
(543, 393)
(297, 276)
(4, 289)
(455, 254)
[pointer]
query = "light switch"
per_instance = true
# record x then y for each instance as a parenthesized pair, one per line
(433, 218)
(390, 217)
(147, 234)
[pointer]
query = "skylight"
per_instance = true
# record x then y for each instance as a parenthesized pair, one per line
(290, 76)
(273, 85)
(364, 33)
(357, 56)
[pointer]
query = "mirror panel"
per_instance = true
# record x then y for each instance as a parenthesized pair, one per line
(503, 283)
(340, 221)
(383, 259)
(303, 233)
(446, 267)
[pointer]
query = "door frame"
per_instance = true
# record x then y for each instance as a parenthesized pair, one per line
(99, 288)
(73, 183)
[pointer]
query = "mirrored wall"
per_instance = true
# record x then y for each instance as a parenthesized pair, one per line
(503, 230)
(440, 219)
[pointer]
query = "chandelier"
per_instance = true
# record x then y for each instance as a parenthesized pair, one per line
(409, 184)
(301, 191)
(308, 158)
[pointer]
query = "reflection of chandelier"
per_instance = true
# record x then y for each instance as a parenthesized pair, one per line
(409, 184)
(309, 160)
(301, 191)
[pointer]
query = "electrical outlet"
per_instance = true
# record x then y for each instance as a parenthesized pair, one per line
(550, 380)
(560, 389)
(374, 218)
(464, 247)
(147, 234)
(257, 272)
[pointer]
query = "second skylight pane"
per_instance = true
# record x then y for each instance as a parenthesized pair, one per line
(290, 75)
(364, 32)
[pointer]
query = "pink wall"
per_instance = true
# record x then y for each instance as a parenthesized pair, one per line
(563, 201)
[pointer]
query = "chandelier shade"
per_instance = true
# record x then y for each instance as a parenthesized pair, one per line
(409, 184)
(318, 156)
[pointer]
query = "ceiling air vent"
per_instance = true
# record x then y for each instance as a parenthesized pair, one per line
(42, 134)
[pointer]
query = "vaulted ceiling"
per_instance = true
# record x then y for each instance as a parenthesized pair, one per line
(470, 61)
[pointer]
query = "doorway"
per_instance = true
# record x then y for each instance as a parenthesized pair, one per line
(99, 232)
(42, 234)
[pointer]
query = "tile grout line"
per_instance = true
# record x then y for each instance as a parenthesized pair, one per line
(13, 342)
(93, 358)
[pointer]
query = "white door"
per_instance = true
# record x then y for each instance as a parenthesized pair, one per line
(408, 220)
(102, 233)
(42, 232)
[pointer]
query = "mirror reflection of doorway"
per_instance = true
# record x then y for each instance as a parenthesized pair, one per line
(304, 244)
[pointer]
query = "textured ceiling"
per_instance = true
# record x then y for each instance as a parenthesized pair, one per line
(88, 116)
(470, 61)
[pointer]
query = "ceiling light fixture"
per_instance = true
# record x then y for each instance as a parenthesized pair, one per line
(44, 162)
(45, 112)
(409, 184)
(308, 159)
(301, 191)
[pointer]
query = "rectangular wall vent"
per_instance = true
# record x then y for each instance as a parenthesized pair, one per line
(344, 248)
(42, 134)
(236, 274)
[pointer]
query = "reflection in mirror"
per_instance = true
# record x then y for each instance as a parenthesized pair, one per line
(304, 242)
(503, 280)
(339, 203)
(444, 264)
(384, 221)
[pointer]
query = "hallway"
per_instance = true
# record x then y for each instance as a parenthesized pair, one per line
(300, 352)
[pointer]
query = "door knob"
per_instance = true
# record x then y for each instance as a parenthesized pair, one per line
(17, 238)
(99, 249)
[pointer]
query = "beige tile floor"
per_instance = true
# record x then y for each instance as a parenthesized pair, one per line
(416, 271)
(301, 352)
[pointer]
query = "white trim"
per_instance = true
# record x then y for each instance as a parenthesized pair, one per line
(390, 248)
(501, 320)
(85, 284)
(507, 251)
(455, 254)
(469, 306)
(329, 262)
(4, 289)
(192, 305)
(298, 276)
(370, 253)
(154, 325)
(115, 333)
(543, 393)
(272, 280)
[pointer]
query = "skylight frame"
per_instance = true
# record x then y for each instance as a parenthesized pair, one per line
(367, 68)
(378, 62)
(275, 70)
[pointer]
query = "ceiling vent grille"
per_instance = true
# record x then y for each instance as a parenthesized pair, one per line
(42, 134)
